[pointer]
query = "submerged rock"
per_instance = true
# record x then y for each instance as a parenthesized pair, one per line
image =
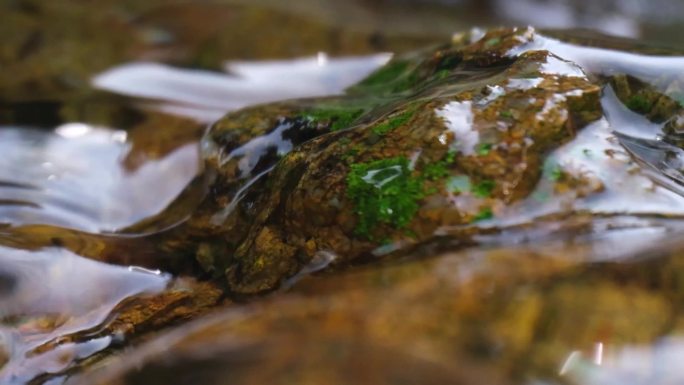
(509, 315)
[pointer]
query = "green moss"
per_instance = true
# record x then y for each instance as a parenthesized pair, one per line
(492, 42)
(483, 214)
(395, 76)
(449, 62)
(393, 122)
(638, 103)
(483, 148)
(435, 171)
(383, 191)
(351, 153)
(529, 74)
(391, 71)
(508, 114)
(338, 118)
(439, 170)
(484, 188)
(556, 173)
(442, 74)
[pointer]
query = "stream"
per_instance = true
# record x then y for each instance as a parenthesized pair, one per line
(146, 237)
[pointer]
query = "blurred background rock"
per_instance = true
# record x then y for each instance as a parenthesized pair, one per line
(53, 48)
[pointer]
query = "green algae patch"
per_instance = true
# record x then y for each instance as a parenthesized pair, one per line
(484, 214)
(553, 171)
(556, 173)
(507, 114)
(484, 189)
(492, 42)
(337, 118)
(384, 191)
(638, 103)
(386, 74)
(396, 76)
(393, 122)
(388, 191)
(439, 170)
(483, 149)
(442, 74)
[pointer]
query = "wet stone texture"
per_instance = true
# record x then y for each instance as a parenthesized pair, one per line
(499, 316)
(349, 175)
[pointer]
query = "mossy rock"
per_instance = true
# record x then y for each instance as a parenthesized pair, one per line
(382, 164)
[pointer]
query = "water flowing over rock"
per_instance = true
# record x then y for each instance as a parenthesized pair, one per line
(492, 132)
(500, 208)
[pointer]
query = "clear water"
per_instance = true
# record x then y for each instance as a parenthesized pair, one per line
(72, 190)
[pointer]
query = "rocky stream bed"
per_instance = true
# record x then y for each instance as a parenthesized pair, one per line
(492, 206)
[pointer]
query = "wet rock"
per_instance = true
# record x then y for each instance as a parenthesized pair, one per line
(645, 99)
(448, 137)
(55, 347)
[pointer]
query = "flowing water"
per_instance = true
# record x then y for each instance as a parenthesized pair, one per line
(562, 287)
(75, 177)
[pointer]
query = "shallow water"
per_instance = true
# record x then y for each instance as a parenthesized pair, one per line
(51, 294)
(73, 178)
(563, 288)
